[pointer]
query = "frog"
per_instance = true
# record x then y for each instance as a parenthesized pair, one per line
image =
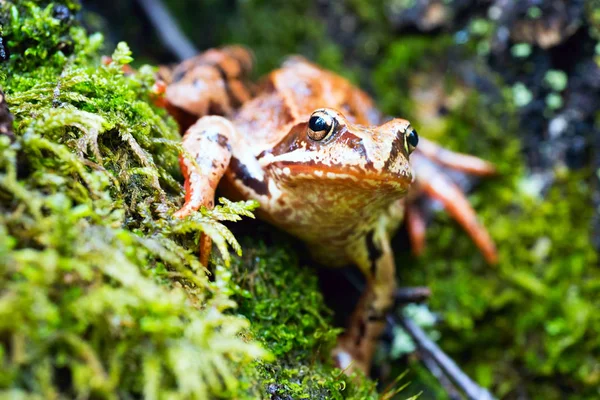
(324, 164)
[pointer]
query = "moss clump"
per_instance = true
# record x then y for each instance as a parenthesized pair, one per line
(532, 315)
(42, 41)
(527, 323)
(290, 318)
(101, 292)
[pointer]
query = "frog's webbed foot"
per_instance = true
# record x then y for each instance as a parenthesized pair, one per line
(429, 162)
(203, 164)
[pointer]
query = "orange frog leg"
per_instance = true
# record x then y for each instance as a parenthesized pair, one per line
(213, 82)
(427, 162)
(207, 146)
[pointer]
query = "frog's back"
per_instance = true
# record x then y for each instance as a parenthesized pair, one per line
(289, 95)
(217, 82)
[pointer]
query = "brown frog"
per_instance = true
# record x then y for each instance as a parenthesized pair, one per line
(317, 155)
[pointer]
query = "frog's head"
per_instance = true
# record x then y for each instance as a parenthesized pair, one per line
(327, 149)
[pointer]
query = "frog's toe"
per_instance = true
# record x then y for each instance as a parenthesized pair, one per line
(457, 161)
(416, 226)
(343, 360)
(348, 357)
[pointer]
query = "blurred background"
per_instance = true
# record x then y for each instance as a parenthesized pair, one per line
(516, 83)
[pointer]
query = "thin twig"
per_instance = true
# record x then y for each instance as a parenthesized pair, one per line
(442, 378)
(438, 363)
(413, 294)
(168, 30)
(426, 345)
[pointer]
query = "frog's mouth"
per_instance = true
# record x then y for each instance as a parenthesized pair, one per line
(294, 171)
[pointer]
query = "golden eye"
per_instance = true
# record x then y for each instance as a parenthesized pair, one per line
(320, 125)
(411, 139)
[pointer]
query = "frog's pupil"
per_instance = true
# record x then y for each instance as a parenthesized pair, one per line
(317, 124)
(413, 138)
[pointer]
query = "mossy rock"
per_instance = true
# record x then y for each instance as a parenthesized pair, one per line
(101, 292)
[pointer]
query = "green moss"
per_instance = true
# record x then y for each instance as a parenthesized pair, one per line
(102, 295)
(290, 318)
(532, 315)
(44, 40)
(527, 323)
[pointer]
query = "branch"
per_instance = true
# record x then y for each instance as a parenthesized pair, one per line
(427, 346)
(442, 378)
(168, 30)
(413, 294)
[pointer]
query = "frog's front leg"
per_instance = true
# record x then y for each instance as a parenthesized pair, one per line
(208, 151)
(375, 259)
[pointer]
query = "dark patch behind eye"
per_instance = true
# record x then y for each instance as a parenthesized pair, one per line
(220, 139)
(260, 187)
(397, 145)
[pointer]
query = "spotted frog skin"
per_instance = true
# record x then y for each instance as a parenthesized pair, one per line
(322, 162)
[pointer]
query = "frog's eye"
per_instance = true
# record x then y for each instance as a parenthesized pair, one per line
(320, 125)
(411, 139)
